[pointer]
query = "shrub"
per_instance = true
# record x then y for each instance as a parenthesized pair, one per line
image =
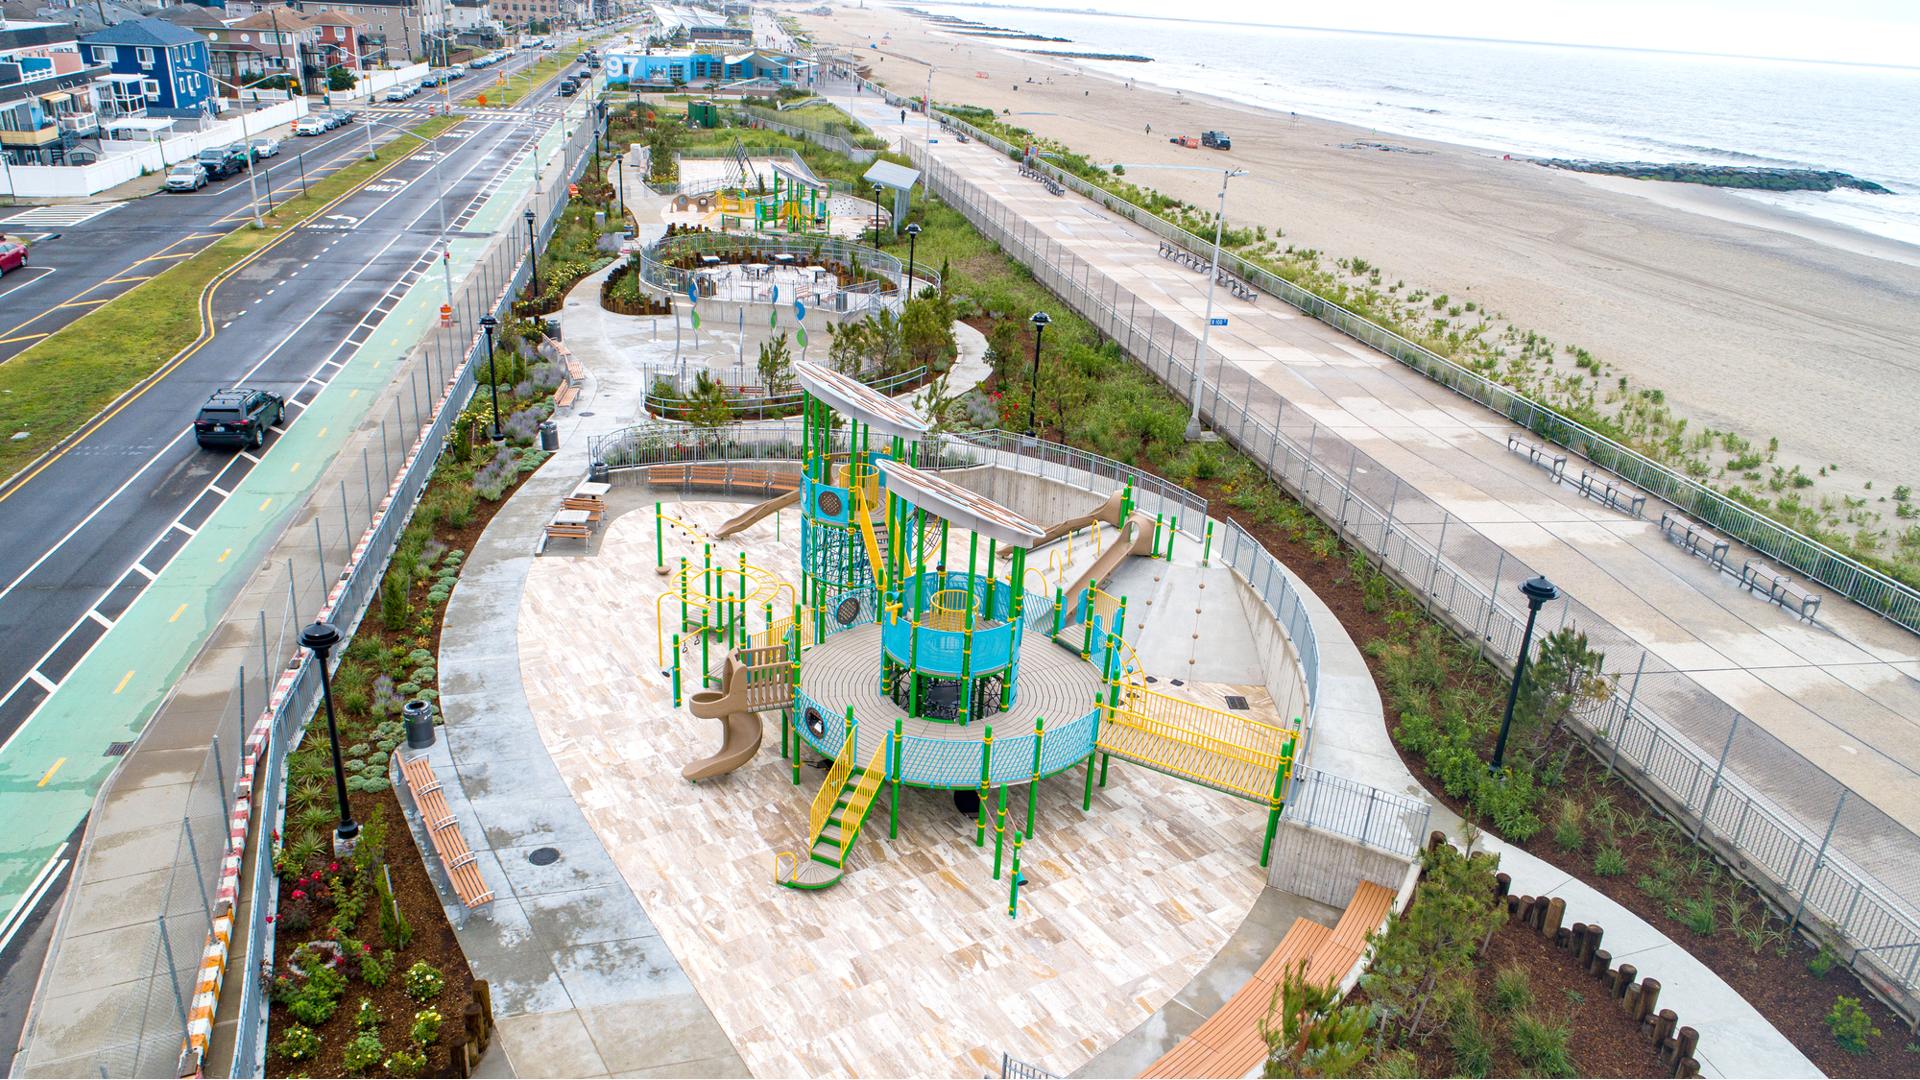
(426, 1027)
(1850, 1024)
(1541, 1045)
(394, 928)
(367, 1016)
(375, 970)
(1822, 962)
(1569, 832)
(1609, 862)
(406, 1063)
(362, 1054)
(1702, 915)
(1512, 990)
(1472, 1049)
(424, 982)
(298, 1043)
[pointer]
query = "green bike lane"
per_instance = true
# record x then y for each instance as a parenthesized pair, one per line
(52, 769)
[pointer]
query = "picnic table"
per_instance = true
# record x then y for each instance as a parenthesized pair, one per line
(592, 490)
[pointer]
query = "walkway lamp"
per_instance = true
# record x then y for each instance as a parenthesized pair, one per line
(533, 252)
(320, 639)
(1539, 592)
(876, 215)
(1041, 320)
(489, 323)
(1213, 277)
(913, 234)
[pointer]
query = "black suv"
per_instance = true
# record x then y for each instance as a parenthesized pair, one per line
(238, 417)
(221, 162)
(568, 88)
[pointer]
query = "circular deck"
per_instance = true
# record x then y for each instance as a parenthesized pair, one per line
(1054, 684)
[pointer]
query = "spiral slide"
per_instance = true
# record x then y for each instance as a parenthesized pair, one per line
(741, 729)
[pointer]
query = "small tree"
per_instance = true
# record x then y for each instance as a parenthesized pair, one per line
(394, 927)
(1317, 1036)
(339, 78)
(1564, 679)
(775, 365)
(1432, 945)
(708, 406)
(926, 332)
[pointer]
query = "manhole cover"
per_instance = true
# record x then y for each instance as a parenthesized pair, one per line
(544, 856)
(116, 749)
(1177, 682)
(1153, 678)
(1236, 701)
(584, 414)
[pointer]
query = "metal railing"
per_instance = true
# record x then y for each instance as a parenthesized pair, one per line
(270, 705)
(676, 409)
(1870, 588)
(826, 140)
(1798, 834)
(1393, 823)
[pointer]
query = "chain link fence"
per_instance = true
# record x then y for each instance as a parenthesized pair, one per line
(354, 527)
(1823, 854)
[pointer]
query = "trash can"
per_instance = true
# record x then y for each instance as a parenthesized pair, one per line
(418, 716)
(598, 472)
(549, 435)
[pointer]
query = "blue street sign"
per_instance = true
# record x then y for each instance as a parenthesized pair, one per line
(799, 310)
(1217, 320)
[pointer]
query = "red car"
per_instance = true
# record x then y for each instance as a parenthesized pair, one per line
(12, 256)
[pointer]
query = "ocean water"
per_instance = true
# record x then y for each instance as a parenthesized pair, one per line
(1539, 100)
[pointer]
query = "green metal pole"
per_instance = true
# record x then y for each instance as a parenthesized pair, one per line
(986, 757)
(943, 545)
(992, 578)
(1059, 610)
(706, 672)
(1086, 799)
(1086, 619)
(743, 577)
(1156, 536)
(1105, 760)
(966, 667)
(659, 539)
(999, 831)
(1206, 550)
(684, 621)
(1280, 773)
(676, 671)
(1013, 886)
(1033, 786)
(1173, 530)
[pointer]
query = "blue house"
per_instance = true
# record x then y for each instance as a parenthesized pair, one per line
(170, 60)
(699, 66)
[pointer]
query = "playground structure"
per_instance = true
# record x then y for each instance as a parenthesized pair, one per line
(898, 667)
(739, 191)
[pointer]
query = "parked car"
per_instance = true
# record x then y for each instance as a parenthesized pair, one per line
(238, 417)
(186, 176)
(13, 255)
(548, 45)
(309, 125)
(399, 93)
(457, 71)
(266, 148)
(241, 153)
(218, 163)
(340, 117)
(347, 115)
(568, 88)
(584, 57)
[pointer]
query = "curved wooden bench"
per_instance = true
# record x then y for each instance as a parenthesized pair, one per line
(1228, 1044)
(463, 870)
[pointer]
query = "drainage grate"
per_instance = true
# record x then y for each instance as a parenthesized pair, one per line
(117, 749)
(1177, 682)
(584, 415)
(543, 856)
(1237, 701)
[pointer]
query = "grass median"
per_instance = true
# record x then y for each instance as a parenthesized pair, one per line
(58, 384)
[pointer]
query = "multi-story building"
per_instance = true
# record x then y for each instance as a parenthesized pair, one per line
(531, 14)
(701, 66)
(400, 31)
(51, 93)
(171, 62)
(342, 39)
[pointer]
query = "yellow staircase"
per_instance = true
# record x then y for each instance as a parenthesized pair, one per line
(839, 810)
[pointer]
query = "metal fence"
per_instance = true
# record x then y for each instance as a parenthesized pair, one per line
(1819, 851)
(1864, 585)
(395, 464)
(1396, 824)
(826, 140)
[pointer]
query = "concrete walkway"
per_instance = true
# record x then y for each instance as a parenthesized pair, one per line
(582, 985)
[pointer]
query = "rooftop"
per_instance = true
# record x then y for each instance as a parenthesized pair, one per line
(150, 32)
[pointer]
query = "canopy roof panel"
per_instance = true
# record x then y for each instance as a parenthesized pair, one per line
(968, 509)
(856, 399)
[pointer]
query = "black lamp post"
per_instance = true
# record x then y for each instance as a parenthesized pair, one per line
(913, 234)
(533, 253)
(620, 186)
(876, 215)
(1041, 320)
(1538, 591)
(488, 323)
(320, 638)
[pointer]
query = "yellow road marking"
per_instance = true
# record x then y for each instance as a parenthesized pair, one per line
(161, 258)
(126, 280)
(57, 762)
(296, 465)
(224, 554)
(354, 394)
(323, 434)
(124, 680)
(177, 612)
(85, 303)
(22, 337)
(268, 502)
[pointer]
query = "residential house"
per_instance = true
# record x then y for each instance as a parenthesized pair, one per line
(288, 40)
(171, 62)
(700, 66)
(539, 15)
(343, 39)
(50, 94)
(402, 31)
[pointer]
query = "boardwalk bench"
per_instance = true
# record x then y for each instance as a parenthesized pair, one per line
(1228, 1044)
(1612, 493)
(1695, 538)
(1758, 576)
(594, 508)
(463, 869)
(1555, 463)
(1792, 594)
(726, 477)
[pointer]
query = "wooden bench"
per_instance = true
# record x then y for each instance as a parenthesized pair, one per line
(1694, 538)
(1554, 463)
(1228, 1044)
(564, 394)
(568, 524)
(595, 508)
(1612, 493)
(463, 866)
(727, 477)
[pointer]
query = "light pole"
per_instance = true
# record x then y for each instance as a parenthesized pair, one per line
(876, 215)
(1213, 277)
(253, 186)
(620, 186)
(913, 234)
(1041, 320)
(320, 638)
(488, 323)
(533, 253)
(1539, 592)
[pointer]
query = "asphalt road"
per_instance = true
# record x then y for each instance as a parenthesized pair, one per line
(84, 254)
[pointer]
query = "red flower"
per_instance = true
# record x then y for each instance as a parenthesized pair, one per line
(299, 894)
(366, 950)
(333, 867)
(270, 919)
(276, 836)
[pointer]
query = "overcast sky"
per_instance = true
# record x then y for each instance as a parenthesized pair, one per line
(1855, 31)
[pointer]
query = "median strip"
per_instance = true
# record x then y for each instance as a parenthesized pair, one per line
(76, 377)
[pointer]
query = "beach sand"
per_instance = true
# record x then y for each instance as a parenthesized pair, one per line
(1754, 320)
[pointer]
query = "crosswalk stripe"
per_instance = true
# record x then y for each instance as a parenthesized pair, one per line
(72, 214)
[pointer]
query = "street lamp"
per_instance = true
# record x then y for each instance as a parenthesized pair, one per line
(1213, 277)
(1041, 320)
(320, 638)
(489, 323)
(1539, 592)
(533, 254)
(913, 234)
(876, 215)
(620, 186)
